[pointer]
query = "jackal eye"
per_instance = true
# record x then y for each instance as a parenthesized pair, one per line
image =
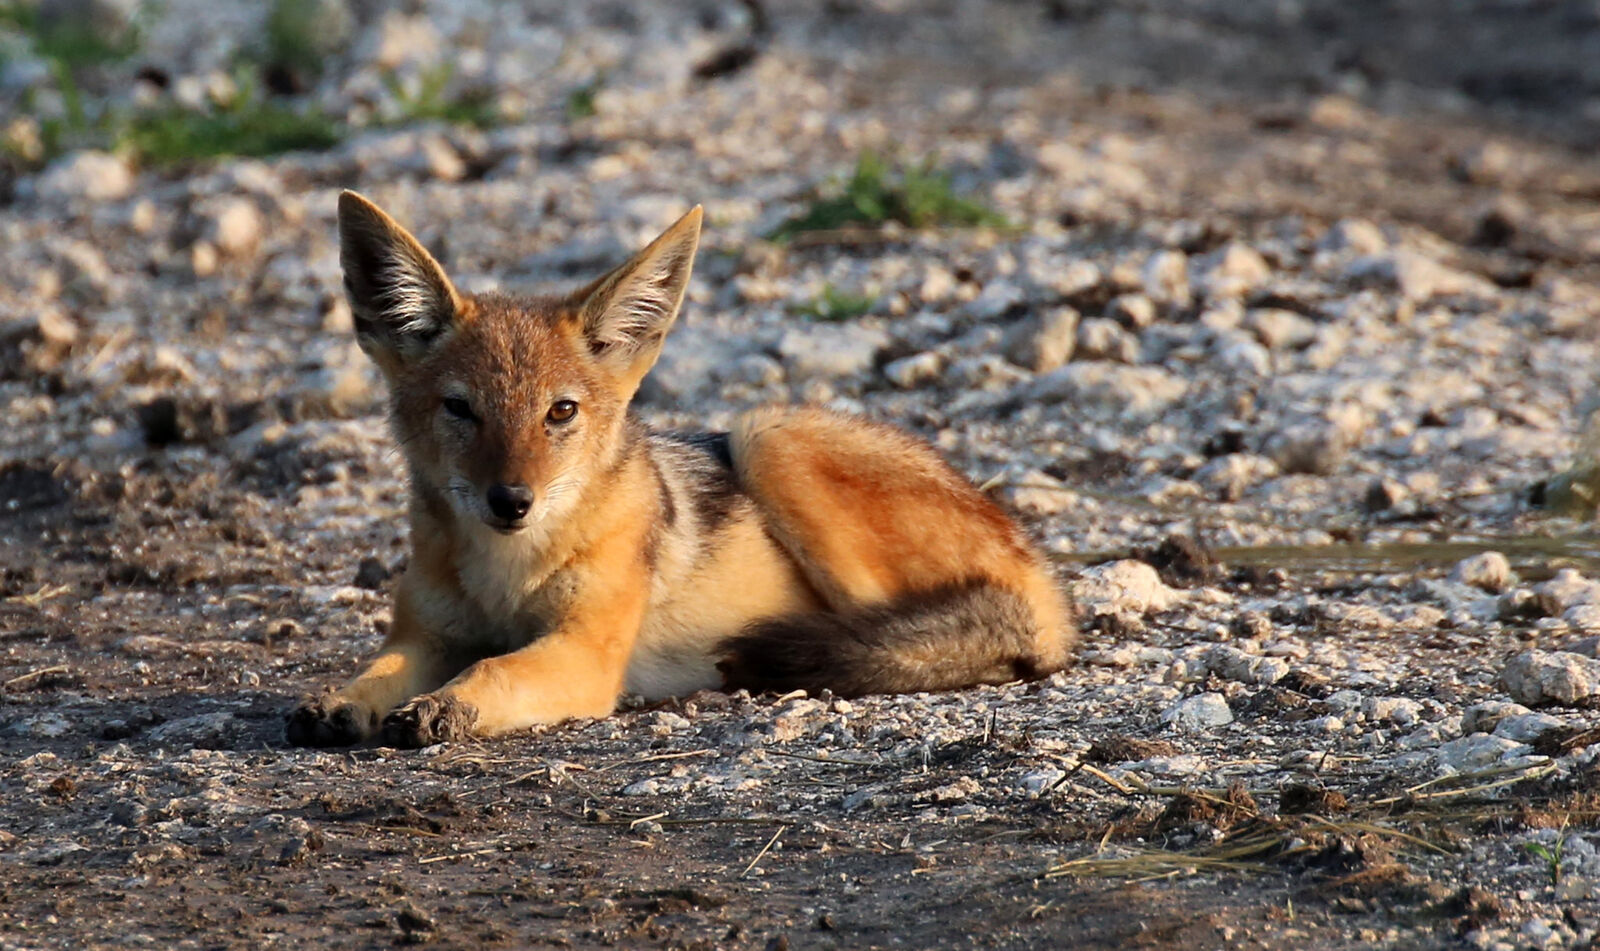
(562, 411)
(459, 408)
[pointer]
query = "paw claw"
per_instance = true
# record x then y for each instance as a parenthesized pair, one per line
(326, 721)
(429, 719)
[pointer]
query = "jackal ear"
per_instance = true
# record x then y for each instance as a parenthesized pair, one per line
(399, 295)
(626, 314)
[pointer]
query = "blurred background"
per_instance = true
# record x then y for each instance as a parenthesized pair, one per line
(1300, 255)
(1258, 253)
(1281, 254)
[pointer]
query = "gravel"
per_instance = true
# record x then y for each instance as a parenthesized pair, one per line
(1345, 364)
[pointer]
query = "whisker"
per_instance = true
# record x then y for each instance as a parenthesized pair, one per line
(404, 439)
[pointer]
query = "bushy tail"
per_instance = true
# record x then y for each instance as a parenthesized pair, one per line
(941, 640)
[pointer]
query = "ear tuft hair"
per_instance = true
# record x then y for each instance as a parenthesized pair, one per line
(627, 313)
(399, 295)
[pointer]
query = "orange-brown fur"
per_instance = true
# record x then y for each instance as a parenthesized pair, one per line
(871, 514)
(643, 562)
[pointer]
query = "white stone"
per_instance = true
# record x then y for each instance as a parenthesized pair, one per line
(1582, 617)
(1198, 712)
(1114, 657)
(85, 176)
(203, 729)
(1233, 271)
(1229, 477)
(1036, 783)
(1127, 586)
(830, 350)
(937, 284)
(1417, 277)
(1400, 711)
(1166, 277)
(1423, 737)
(1478, 751)
(1346, 701)
(1355, 235)
(1317, 447)
(1184, 764)
(1281, 329)
(1244, 356)
(997, 297)
(44, 726)
(401, 40)
(1076, 277)
(915, 370)
(1566, 589)
(1125, 390)
(1132, 310)
(665, 723)
(1527, 727)
(1488, 570)
(1536, 931)
(1042, 343)
(1484, 717)
(756, 369)
(234, 226)
(984, 371)
(437, 158)
(1100, 338)
(1295, 649)
(656, 787)
(1534, 677)
(1041, 494)
(1230, 663)
(1575, 888)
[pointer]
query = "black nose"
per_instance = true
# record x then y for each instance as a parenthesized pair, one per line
(510, 502)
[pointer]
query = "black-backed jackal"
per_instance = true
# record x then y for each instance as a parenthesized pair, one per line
(563, 554)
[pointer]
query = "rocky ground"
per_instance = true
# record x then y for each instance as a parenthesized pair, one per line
(1280, 332)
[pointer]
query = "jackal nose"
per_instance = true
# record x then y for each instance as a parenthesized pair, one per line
(510, 502)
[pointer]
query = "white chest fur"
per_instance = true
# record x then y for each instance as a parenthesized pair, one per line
(504, 579)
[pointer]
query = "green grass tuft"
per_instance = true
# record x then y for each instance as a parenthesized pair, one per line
(70, 42)
(252, 124)
(293, 40)
(580, 102)
(917, 196)
(836, 306)
(256, 128)
(429, 103)
(1551, 856)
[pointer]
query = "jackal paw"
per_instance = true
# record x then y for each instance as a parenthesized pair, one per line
(429, 719)
(325, 720)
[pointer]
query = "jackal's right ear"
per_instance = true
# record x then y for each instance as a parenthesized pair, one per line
(399, 295)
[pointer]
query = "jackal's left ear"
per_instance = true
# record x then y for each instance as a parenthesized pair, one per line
(399, 295)
(626, 314)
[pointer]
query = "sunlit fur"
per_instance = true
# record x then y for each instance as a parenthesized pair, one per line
(804, 548)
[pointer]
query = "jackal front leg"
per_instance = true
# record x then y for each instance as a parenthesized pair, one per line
(409, 663)
(575, 671)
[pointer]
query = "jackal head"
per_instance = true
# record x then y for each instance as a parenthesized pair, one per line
(507, 407)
